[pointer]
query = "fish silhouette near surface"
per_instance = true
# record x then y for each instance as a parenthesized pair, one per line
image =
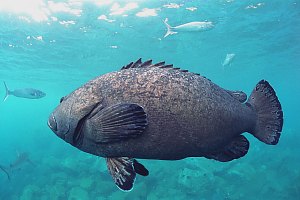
(21, 159)
(157, 111)
(28, 93)
(188, 27)
(228, 59)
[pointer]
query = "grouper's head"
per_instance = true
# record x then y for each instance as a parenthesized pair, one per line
(68, 118)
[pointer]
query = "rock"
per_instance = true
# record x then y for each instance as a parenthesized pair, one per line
(101, 166)
(58, 177)
(195, 181)
(172, 193)
(57, 190)
(86, 183)
(30, 192)
(78, 193)
(68, 163)
(105, 188)
(117, 195)
(140, 190)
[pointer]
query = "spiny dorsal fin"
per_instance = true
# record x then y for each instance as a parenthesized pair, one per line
(135, 64)
(167, 66)
(127, 66)
(206, 78)
(184, 70)
(159, 64)
(148, 63)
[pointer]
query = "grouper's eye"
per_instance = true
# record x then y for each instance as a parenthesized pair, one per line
(61, 99)
(52, 123)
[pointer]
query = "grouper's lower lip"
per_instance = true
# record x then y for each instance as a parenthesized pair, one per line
(58, 133)
(52, 123)
(48, 123)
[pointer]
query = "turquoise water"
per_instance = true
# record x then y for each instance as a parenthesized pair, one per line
(56, 46)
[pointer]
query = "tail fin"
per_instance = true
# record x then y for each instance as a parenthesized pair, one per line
(7, 92)
(169, 31)
(269, 122)
(5, 171)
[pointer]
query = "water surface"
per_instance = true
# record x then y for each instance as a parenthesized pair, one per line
(56, 46)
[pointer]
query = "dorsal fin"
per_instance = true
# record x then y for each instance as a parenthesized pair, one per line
(159, 64)
(135, 64)
(184, 70)
(127, 66)
(148, 63)
(167, 66)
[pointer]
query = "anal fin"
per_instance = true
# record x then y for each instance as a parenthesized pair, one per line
(237, 148)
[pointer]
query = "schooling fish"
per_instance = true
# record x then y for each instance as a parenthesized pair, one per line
(156, 111)
(28, 93)
(191, 26)
(228, 59)
(21, 159)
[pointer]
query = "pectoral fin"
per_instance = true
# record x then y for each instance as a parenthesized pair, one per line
(235, 149)
(122, 171)
(117, 122)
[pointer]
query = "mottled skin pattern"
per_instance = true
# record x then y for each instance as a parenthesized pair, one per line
(188, 115)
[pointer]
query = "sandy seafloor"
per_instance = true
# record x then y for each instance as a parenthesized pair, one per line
(56, 46)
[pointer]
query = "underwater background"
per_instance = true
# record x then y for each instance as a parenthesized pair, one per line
(56, 46)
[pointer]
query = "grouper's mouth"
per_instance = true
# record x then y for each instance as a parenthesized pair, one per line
(52, 123)
(53, 126)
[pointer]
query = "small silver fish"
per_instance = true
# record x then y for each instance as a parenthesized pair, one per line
(229, 58)
(191, 26)
(28, 93)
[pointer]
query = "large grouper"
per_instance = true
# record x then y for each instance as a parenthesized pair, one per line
(157, 111)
